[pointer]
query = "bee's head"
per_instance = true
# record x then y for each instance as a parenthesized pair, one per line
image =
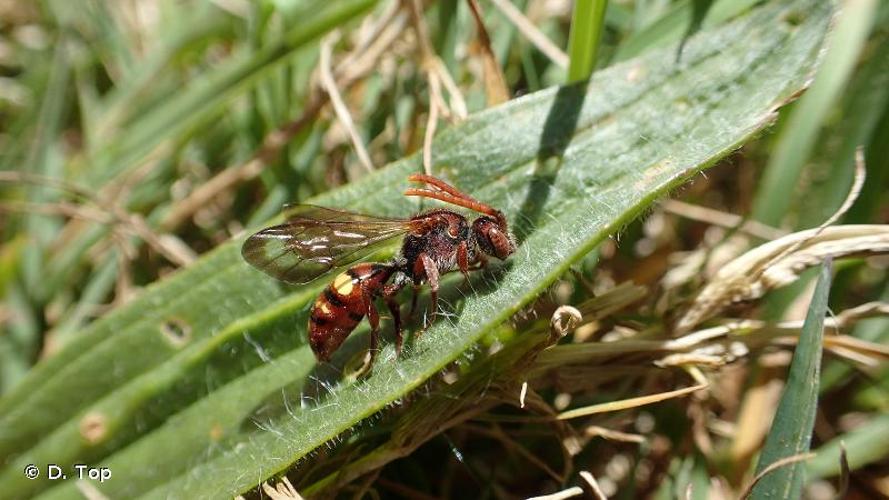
(493, 236)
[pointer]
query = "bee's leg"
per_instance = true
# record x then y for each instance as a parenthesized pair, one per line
(373, 317)
(389, 292)
(432, 277)
(463, 260)
(414, 295)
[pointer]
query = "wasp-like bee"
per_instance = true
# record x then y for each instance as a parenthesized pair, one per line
(314, 240)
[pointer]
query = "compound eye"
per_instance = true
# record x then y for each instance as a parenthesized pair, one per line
(491, 239)
(503, 248)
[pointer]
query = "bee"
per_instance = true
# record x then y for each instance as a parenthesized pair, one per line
(314, 240)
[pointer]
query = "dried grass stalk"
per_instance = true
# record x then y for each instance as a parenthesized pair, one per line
(496, 89)
(282, 490)
(770, 266)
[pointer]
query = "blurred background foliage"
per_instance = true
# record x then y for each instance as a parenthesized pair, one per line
(137, 135)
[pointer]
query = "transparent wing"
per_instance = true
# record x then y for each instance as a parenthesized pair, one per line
(314, 240)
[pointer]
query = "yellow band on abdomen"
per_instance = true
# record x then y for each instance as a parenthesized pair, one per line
(343, 284)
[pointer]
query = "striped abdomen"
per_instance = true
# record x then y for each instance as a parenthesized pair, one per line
(343, 304)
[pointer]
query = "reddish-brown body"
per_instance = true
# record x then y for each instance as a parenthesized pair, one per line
(314, 239)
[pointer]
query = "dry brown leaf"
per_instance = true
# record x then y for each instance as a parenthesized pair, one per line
(628, 403)
(573, 491)
(495, 84)
(766, 267)
(613, 435)
(593, 484)
(282, 490)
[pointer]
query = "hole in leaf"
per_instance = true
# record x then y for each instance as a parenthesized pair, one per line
(177, 331)
(93, 427)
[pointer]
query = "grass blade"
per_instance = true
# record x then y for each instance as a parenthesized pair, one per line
(791, 430)
(197, 103)
(866, 444)
(587, 25)
(798, 136)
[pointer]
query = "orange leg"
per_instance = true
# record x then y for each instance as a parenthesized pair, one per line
(463, 259)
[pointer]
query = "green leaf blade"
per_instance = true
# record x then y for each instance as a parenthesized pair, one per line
(797, 139)
(587, 25)
(568, 166)
(791, 431)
